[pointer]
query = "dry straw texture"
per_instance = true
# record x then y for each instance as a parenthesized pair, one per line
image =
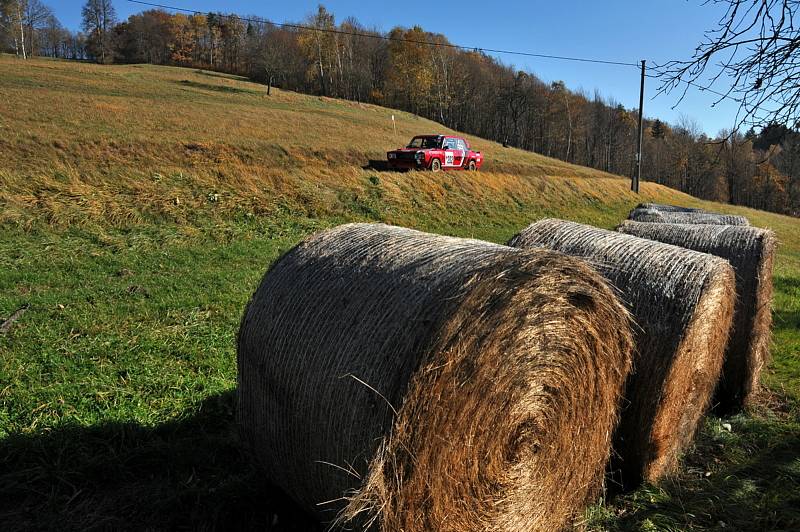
(683, 303)
(667, 208)
(750, 251)
(682, 217)
(432, 383)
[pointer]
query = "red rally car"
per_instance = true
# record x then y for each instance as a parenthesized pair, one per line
(435, 152)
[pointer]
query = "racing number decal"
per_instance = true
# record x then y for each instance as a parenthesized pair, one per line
(448, 158)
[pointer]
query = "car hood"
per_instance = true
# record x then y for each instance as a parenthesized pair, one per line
(407, 150)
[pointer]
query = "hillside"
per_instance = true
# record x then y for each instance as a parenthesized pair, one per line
(139, 208)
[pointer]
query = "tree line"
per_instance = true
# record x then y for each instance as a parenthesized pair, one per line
(415, 70)
(29, 28)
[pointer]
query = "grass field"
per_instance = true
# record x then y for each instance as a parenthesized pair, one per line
(139, 208)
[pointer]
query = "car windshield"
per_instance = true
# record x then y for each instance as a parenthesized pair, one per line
(424, 142)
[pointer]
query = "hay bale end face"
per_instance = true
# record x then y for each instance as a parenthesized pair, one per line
(750, 250)
(679, 217)
(416, 382)
(682, 302)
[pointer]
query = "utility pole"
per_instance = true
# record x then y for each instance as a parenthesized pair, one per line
(637, 173)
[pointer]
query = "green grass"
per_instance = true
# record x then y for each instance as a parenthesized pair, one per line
(747, 478)
(116, 385)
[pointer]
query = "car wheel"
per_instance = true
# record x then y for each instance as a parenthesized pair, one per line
(436, 165)
(472, 166)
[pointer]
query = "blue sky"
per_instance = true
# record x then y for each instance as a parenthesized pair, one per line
(619, 30)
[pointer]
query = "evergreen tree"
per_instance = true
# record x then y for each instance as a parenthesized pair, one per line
(657, 130)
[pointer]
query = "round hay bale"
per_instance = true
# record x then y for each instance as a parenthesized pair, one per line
(408, 381)
(751, 251)
(704, 218)
(667, 208)
(682, 302)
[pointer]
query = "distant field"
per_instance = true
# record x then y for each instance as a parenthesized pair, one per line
(139, 208)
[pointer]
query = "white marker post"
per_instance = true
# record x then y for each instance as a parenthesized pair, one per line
(394, 128)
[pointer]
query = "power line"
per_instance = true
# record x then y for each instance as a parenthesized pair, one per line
(428, 43)
(701, 88)
(393, 39)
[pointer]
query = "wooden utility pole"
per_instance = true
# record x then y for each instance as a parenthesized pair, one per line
(637, 172)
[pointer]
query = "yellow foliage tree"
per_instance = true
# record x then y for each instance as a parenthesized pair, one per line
(319, 47)
(411, 67)
(182, 40)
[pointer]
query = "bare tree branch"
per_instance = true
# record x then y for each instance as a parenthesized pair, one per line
(755, 52)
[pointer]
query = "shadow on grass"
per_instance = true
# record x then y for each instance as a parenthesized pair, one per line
(786, 319)
(217, 88)
(748, 479)
(790, 318)
(190, 474)
(222, 75)
(377, 165)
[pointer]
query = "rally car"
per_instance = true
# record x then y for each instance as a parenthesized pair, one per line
(435, 152)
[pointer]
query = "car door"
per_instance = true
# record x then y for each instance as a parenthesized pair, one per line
(461, 152)
(449, 146)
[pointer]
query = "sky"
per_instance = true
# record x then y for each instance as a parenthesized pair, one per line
(617, 30)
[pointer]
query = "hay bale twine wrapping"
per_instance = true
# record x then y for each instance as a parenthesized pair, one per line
(422, 382)
(677, 217)
(751, 251)
(667, 208)
(682, 302)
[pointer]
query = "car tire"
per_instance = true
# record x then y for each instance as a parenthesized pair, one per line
(436, 165)
(472, 166)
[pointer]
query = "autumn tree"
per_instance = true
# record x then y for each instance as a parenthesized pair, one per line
(411, 72)
(788, 162)
(656, 144)
(513, 106)
(99, 17)
(738, 160)
(182, 39)
(276, 57)
(52, 38)
(319, 47)
(6, 26)
(232, 32)
(22, 21)
(146, 38)
(14, 23)
(362, 60)
(36, 16)
(213, 24)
